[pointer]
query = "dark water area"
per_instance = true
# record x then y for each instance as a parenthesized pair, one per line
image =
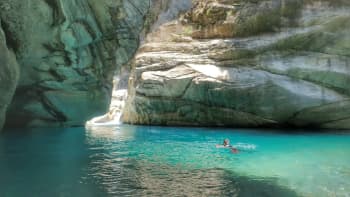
(165, 161)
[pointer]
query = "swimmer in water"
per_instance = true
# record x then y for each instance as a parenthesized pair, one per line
(227, 143)
(234, 150)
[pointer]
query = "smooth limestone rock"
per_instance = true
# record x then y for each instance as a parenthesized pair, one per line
(112, 118)
(248, 64)
(120, 82)
(9, 74)
(68, 52)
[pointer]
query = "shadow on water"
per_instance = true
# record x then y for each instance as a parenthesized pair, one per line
(139, 178)
(247, 186)
(117, 175)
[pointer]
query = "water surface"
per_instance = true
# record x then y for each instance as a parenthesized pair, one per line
(166, 161)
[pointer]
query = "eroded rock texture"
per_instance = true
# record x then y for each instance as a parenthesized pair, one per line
(68, 52)
(9, 74)
(246, 63)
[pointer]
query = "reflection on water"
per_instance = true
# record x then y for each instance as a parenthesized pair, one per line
(160, 180)
(147, 179)
(140, 177)
(112, 134)
(158, 161)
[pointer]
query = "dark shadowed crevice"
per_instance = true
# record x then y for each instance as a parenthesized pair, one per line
(60, 117)
(11, 41)
(136, 8)
(57, 14)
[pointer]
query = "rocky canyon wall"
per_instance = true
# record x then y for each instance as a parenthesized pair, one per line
(9, 74)
(247, 63)
(68, 52)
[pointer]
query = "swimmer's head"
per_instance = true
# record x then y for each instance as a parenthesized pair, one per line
(226, 142)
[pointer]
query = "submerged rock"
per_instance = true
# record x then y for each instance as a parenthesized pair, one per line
(246, 63)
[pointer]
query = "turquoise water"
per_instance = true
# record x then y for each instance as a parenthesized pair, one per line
(159, 161)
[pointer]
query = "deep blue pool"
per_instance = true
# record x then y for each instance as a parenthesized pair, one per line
(161, 161)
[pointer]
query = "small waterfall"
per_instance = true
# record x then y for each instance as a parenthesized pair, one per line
(112, 117)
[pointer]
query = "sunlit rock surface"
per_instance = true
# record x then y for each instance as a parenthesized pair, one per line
(68, 52)
(120, 82)
(9, 74)
(246, 63)
(113, 117)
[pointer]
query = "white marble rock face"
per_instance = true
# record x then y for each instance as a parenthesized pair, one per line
(240, 63)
